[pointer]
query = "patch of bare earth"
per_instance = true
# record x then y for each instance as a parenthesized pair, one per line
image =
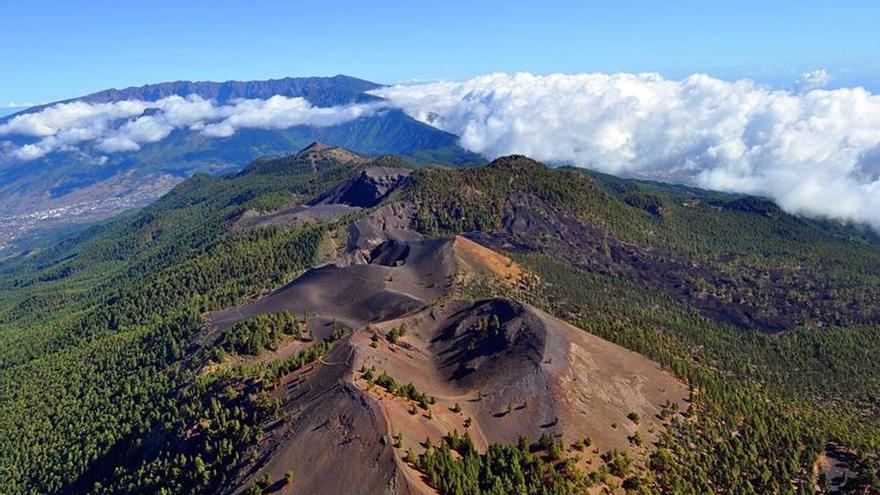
(474, 258)
(495, 368)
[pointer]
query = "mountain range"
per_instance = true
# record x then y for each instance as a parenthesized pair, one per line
(82, 184)
(331, 322)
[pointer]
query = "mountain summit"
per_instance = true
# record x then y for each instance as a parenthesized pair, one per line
(319, 91)
(318, 151)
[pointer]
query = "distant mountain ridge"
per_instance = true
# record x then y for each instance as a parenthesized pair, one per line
(75, 186)
(319, 91)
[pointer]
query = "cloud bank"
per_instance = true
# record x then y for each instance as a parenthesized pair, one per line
(126, 125)
(815, 152)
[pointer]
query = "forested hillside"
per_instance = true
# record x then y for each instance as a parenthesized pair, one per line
(97, 331)
(772, 319)
(111, 381)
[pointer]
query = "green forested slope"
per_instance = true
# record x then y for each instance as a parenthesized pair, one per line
(767, 399)
(772, 319)
(94, 331)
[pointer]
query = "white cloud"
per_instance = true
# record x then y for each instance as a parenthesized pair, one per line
(129, 136)
(67, 116)
(13, 104)
(126, 125)
(279, 112)
(815, 152)
(29, 152)
(816, 79)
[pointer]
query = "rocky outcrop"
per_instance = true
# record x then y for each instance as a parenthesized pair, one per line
(369, 188)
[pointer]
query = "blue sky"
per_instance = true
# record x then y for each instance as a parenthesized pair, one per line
(57, 49)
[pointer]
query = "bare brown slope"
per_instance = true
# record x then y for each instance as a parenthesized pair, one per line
(400, 278)
(334, 437)
(340, 430)
(291, 216)
(496, 368)
(538, 374)
(354, 296)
